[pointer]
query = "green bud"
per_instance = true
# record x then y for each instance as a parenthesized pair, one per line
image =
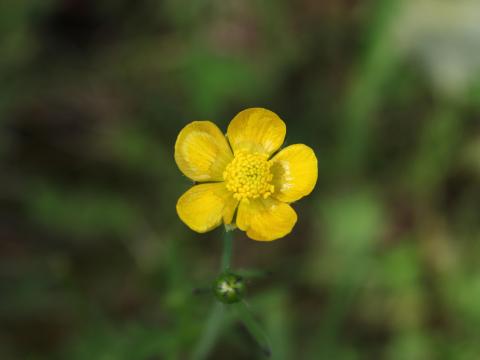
(229, 288)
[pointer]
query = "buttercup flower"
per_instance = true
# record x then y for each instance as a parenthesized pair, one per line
(242, 174)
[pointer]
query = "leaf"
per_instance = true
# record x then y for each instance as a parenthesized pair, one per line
(253, 326)
(210, 333)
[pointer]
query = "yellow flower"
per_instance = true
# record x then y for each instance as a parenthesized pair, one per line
(241, 174)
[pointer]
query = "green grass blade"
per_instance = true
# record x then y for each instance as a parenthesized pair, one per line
(253, 326)
(211, 332)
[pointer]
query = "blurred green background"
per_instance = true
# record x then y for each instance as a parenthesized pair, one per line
(384, 261)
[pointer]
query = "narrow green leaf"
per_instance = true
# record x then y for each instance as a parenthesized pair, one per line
(253, 273)
(210, 333)
(253, 326)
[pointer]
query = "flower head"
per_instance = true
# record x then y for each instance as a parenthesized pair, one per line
(242, 174)
(229, 288)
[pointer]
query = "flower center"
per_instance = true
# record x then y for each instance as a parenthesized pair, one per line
(248, 176)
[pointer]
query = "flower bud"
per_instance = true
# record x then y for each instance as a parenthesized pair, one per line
(229, 288)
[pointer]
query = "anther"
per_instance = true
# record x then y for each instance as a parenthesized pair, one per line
(248, 176)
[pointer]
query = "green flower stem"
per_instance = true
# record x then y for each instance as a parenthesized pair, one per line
(216, 319)
(227, 250)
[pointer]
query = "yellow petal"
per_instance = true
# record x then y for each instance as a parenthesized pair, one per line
(202, 151)
(257, 130)
(204, 206)
(266, 219)
(295, 172)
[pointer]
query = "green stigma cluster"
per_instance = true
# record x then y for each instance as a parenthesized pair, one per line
(229, 288)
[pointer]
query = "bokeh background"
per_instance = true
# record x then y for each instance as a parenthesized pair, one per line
(384, 262)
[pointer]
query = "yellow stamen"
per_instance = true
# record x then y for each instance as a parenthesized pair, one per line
(248, 176)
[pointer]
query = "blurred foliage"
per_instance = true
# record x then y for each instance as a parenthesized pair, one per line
(383, 263)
